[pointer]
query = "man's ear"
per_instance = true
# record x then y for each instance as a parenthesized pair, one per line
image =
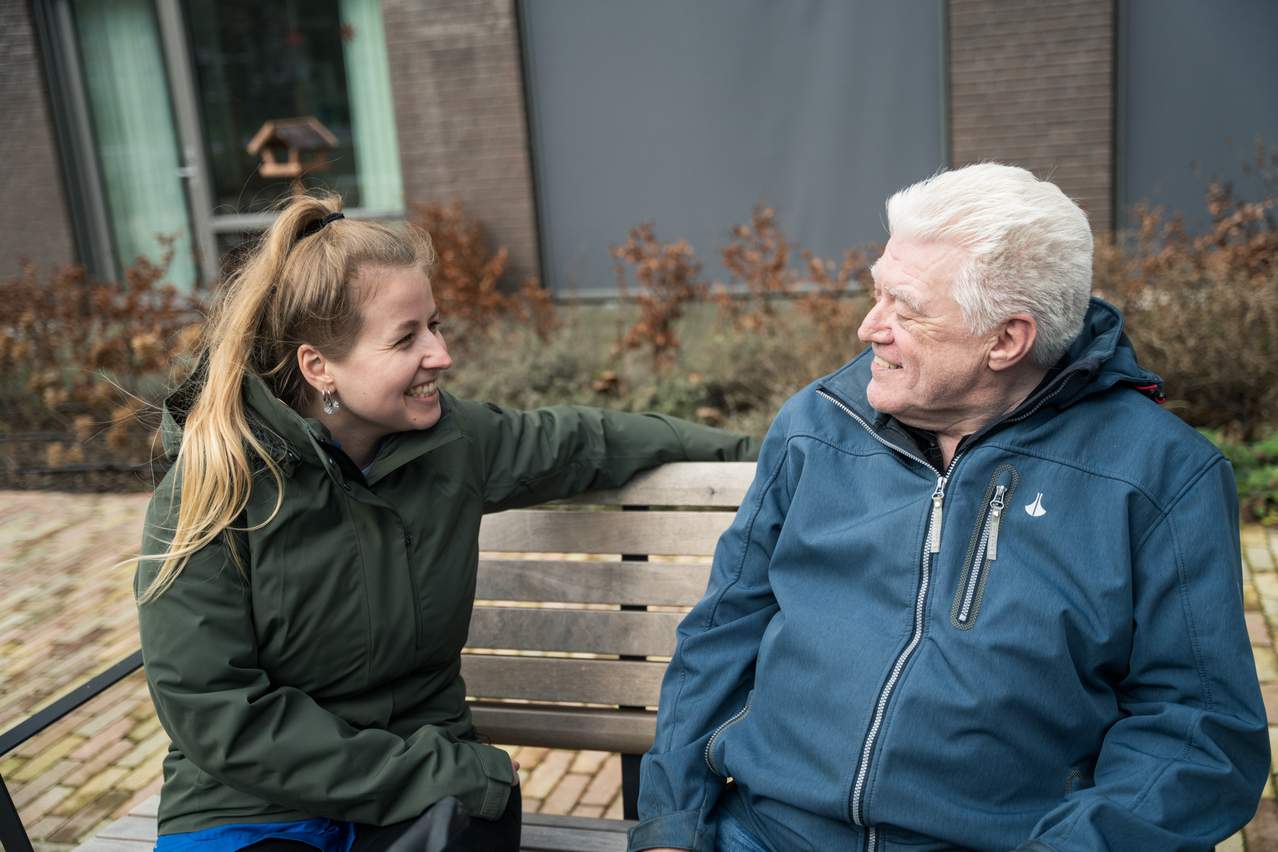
(314, 367)
(1015, 339)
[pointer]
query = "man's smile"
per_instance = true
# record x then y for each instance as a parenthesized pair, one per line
(884, 364)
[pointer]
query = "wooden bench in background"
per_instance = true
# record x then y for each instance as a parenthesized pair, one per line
(575, 617)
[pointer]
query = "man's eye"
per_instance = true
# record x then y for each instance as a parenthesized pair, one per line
(436, 326)
(404, 341)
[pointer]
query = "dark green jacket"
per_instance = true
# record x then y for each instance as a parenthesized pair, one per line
(325, 681)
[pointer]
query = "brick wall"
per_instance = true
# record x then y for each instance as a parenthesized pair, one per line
(459, 108)
(34, 222)
(1032, 84)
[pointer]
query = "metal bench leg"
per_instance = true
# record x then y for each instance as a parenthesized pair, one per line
(630, 785)
(13, 836)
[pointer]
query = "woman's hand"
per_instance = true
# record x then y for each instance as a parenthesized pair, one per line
(515, 765)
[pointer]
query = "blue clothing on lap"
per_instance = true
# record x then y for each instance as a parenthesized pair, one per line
(324, 834)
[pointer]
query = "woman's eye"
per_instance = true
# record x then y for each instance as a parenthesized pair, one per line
(436, 326)
(404, 341)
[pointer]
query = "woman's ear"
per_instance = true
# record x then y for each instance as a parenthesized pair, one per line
(1014, 342)
(314, 367)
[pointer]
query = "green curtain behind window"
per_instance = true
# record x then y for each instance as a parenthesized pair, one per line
(133, 126)
(372, 111)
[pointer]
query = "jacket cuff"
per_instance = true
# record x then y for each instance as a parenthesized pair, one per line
(500, 777)
(678, 830)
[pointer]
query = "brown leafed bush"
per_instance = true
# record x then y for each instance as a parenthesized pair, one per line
(467, 279)
(669, 278)
(757, 258)
(827, 299)
(82, 362)
(1203, 310)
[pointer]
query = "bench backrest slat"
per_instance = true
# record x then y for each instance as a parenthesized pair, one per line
(589, 581)
(626, 731)
(564, 531)
(575, 631)
(710, 484)
(622, 682)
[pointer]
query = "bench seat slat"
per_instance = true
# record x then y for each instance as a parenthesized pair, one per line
(102, 844)
(721, 484)
(547, 833)
(588, 581)
(550, 531)
(574, 630)
(633, 683)
(130, 827)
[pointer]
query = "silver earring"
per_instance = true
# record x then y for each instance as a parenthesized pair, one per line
(331, 403)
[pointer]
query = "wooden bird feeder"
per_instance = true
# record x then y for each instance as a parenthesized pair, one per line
(292, 147)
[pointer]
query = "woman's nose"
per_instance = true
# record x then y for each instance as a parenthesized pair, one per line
(436, 356)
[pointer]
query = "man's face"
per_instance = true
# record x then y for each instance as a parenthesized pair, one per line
(928, 370)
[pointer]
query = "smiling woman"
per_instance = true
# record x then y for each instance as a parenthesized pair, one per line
(390, 377)
(308, 564)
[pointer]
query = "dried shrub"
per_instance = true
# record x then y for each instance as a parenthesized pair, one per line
(669, 278)
(1203, 310)
(757, 258)
(828, 300)
(468, 279)
(836, 301)
(82, 362)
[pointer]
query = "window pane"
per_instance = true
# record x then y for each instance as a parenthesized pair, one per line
(133, 129)
(256, 62)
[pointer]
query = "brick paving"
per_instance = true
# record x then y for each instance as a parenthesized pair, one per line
(68, 615)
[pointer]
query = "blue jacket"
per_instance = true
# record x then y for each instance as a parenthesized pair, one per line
(1041, 648)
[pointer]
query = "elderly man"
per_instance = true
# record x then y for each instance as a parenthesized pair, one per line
(983, 593)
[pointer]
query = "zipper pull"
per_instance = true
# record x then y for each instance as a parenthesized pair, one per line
(996, 512)
(938, 498)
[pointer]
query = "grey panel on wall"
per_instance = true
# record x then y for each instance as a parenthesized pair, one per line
(1197, 91)
(688, 113)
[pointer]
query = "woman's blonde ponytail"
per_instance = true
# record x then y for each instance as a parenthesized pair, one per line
(214, 461)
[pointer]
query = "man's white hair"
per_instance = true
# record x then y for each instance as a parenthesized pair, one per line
(1029, 248)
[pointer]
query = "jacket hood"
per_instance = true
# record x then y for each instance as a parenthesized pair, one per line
(1100, 358)
(286, 435)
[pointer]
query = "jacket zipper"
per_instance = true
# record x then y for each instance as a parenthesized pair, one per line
(732, 720)
(986, 551)
(935, 516)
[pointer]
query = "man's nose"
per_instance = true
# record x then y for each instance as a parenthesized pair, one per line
(873, 328)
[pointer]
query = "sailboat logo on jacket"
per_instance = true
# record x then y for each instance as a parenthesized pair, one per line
(1035, 509)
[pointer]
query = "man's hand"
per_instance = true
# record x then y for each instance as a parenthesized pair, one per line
(514, 764)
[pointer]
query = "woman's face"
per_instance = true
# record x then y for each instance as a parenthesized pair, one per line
(387, 382)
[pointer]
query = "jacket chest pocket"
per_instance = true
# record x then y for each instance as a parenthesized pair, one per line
(311, 605)
(982, 549)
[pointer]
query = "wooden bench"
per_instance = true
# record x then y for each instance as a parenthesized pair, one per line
(575, 617)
